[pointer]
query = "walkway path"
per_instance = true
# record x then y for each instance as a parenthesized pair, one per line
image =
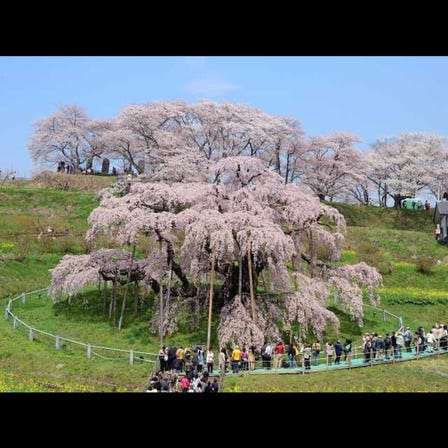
(322, 367)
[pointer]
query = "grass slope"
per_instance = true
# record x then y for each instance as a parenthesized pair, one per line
(396, 242)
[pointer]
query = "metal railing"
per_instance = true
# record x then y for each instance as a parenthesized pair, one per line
(356, 358)
(60, 342)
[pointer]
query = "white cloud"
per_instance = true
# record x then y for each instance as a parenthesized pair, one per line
(210, 85)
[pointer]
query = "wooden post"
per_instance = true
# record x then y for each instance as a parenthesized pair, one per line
(58, 342)
(294, 270)
(210, 302)
(128, 280)
(251, 283)
(161, 314)
(168, 288)
(131, 357)
(384, 315)
(263, 278)
(14, 323)
(240, 275)
(89, 351)
(31, 334)
(105, 298)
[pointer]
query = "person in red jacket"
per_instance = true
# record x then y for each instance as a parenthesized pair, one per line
(278, 354)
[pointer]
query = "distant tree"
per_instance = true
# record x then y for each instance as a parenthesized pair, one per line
(331, 163)
(359, 189)
(68, 135)
(404, 165)
(171, 139)
(141, 130)
(287, 154)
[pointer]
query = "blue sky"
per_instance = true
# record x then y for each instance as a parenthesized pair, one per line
(370, 96)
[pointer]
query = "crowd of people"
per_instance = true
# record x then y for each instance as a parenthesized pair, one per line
(167, 382)
(190, 370)
(377, 348)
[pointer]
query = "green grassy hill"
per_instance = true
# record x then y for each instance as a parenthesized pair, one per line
(400, 243)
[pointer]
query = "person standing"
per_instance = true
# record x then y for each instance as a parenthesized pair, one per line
(200, 359)
(163, 359)
(338, 351)
(408, 339)
(222, 361)
(348, 352)
(244, 359)
(252, 357)
(291, 354)
(210, 360)
(307, 356)
(329, 348)
(266, 355)
(236, 359)
(278, 354)
(316, 348)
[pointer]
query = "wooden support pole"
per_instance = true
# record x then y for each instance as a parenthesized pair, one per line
(210, 302)
(251, 282)
(128, 281)
(161, 314)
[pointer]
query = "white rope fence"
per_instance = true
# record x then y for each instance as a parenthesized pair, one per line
(321, 362)
(92, 351)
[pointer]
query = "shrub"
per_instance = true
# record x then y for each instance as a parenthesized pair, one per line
(425, 265)
(79, 182)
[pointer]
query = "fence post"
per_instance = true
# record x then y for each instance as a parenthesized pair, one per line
(58, 342)
(89, 351)
(384, 315)
(23, 297)
(131, 357)
(31, 335)
(14, 323)
(8, 309)
(400, 320)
